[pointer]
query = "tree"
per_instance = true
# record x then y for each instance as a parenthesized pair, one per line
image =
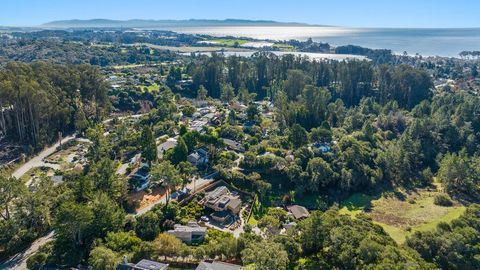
(180, 152)
(123, 242)
(320, 172)
(265, 255)
(107, 215)
(244, 96)
(73, 232)
(298, 136)
(105, 178)
(166, 174)
(227, 93)
(102, 258)
(294, 84)
(474, 71)
(252, 112)
(186, 170)
(10, 190)
(460, 174)
(167, 245)
(148, 226)
(202, 93)
(37, 261)
(148, 145)
(81, 122)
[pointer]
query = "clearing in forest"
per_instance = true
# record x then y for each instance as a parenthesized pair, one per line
(401, 213)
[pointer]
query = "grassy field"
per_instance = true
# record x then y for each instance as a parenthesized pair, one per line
(229, 42)
(401, 213)
(284, 47)
(152, 87)
(190, 49)
(128, 66)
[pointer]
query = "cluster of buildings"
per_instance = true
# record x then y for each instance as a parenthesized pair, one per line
(151, 265)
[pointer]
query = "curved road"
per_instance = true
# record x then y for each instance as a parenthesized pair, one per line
(19, 261)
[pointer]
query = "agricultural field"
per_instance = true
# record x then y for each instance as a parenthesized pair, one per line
(401, 213)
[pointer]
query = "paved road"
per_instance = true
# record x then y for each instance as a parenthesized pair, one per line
(37, 161)
(19, 261)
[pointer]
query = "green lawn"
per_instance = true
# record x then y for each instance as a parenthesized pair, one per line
(355, 204)
(229, 42)
(150, 88)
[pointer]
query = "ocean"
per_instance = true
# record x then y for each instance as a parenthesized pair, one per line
(427, 42)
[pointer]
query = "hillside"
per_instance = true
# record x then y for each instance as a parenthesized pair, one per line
(105, 23)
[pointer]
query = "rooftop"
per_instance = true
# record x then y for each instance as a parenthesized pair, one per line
(298, 211)
(190, 227)
(217, 266)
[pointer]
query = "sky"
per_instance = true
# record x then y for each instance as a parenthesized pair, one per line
(356, 13)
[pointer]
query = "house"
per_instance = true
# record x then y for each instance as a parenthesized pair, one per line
(289, 225)
(190, 233)
(142, 265)
(140, 179)
(321, 147)
(221, 199)
(298, 212)
(215, 265)
(198, 125)
(163, 147)
(199, 157)
(180, 194)
(135, 161)
(222, 216)
(57, 179)
(233, 145)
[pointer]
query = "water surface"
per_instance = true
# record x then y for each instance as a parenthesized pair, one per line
(428, 42)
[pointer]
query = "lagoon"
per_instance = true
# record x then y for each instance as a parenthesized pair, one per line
(427, 42)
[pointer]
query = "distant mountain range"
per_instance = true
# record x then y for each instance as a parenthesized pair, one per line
(105, 23)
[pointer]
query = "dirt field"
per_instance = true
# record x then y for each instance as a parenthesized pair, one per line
(142, 199)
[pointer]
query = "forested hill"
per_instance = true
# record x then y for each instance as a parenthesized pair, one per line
(105, 23)
(39, 100)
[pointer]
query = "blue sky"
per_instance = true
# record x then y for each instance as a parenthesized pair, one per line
(367, 13)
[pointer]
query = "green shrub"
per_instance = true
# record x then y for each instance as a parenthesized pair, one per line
(36, 261)
(442, 200)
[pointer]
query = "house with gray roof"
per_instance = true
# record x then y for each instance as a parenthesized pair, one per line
(216, 265)
(190, 233)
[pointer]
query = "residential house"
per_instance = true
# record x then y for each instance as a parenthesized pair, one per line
(221, 199)
(215, 265)
(190, 233)
(199, 157)
(298, 212)
(321, 147)
(142, 265)
(163, 147)
(140, 179)
(233, 145)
